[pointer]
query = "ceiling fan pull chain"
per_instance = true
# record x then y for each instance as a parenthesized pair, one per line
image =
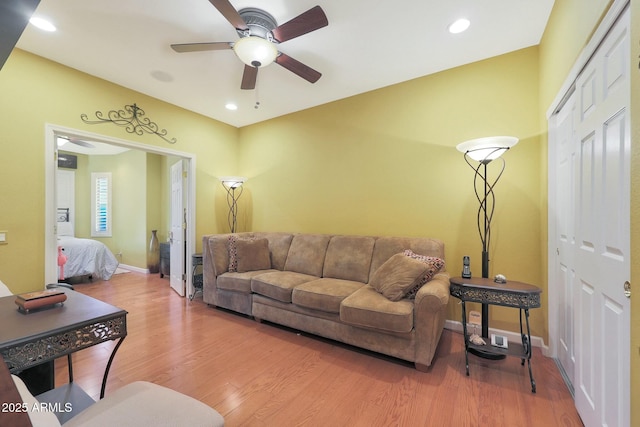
(257, 105)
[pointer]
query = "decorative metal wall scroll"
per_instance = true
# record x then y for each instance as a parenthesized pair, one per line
(131, 118)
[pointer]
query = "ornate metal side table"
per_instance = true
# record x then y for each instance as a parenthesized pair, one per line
(196, 274)
(31, 339)
(511, 294)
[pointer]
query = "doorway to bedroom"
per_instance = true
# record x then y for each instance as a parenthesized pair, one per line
(138, 198)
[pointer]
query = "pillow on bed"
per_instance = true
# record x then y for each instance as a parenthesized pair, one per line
(65, 229)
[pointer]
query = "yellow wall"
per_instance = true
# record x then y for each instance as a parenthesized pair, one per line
(385, 163)
(29, 100)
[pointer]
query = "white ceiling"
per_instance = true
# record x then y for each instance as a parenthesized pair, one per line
(367, 45)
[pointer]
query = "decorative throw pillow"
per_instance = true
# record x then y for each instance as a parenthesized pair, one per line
(233, 253)
(434, 264)
(397, 276)
(252, 255)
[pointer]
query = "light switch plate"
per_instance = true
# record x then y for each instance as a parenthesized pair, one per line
(3, 237)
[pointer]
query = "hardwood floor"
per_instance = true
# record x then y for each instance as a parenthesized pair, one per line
(258, 374)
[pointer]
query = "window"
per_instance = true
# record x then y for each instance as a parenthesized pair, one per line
(101, 204)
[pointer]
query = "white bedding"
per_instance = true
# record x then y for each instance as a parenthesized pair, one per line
(87, 257)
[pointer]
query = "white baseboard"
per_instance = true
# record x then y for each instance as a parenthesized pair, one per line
(132, 268)
(511, 336)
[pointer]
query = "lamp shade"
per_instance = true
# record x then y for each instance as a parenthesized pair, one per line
(233, 181)
(484, 150)
(255, 51)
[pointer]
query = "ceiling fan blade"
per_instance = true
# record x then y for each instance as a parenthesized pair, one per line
(76, 141)
(199, 47)
(230, 13)
(310, 20)
(249, 77)
(298, 68)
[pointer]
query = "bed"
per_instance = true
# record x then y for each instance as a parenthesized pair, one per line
(85, 257)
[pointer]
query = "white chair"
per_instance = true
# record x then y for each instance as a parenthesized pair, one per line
(138, 404)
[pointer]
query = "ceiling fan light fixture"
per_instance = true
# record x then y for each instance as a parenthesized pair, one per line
(255, 51)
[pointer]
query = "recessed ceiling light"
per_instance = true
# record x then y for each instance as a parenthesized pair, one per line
(162, 76)
(231, 106)
(459, 26)
(42, 24)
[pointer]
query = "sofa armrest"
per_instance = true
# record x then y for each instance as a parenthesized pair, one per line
(429, 317)
(435, 293)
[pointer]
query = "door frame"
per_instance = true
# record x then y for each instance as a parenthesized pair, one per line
(50, 167)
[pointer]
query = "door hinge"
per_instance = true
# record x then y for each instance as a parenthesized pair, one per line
(184, 174)
(184, 276)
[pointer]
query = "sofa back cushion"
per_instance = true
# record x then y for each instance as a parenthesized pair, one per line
(306, 254)
(349, 258)
(279, 244)
(386, 247)
(216, 248)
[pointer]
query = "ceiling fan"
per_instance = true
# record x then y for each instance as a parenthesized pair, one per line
(63, 139)
(259, 36)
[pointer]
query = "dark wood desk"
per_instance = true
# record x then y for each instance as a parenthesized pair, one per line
(511, 294)
(41, 336)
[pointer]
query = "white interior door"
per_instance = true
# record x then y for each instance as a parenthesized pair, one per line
(178, 228)
(602, 249)
(564, 142)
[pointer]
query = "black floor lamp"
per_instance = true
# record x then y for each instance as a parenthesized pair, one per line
(231, 184)
(478, 153)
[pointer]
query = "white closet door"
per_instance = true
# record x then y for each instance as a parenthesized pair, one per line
(602, 221)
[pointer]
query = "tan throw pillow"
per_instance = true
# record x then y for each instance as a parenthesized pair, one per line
(397, 276)
(252, 254)
(434, 264)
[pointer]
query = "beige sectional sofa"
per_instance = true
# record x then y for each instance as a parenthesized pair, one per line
(365, 291)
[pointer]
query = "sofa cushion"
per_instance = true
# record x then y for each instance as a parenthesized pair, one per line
(279, 244)
(279, 284)
(397, 276)
(324, 294)
(216, 249)
(349, 258)
(434, 264)
(386, 247)
(368, 308)
(238, 282)
(252, 254)
(306, 254)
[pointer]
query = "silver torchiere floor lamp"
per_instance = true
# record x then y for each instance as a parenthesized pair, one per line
(479, 153)
(231, 184)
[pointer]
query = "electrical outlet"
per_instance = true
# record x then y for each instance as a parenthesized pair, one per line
(475, 318)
